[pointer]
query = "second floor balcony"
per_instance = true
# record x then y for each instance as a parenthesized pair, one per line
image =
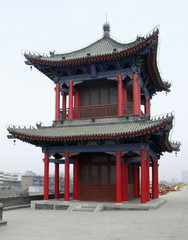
(97, 111)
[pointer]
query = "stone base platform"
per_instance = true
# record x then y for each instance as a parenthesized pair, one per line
(3, 222)
(73, 205)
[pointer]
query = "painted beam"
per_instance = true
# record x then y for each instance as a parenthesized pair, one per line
(152, 153)
(144, 89)
(103, 148)
(53, 160)
(132, 160)
(87, 77)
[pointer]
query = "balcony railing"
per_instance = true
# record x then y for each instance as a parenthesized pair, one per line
(97, 111)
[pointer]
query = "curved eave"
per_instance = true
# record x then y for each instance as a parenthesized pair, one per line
(33, 60)
(153, 70)
(33, 139)
(167, 145)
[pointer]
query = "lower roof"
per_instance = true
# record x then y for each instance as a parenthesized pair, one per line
(112, 128)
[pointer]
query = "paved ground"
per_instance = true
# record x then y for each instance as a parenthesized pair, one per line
(170, 221)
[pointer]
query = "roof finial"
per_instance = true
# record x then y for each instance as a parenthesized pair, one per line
(106, 29)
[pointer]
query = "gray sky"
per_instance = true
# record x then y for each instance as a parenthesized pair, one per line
(28, 96)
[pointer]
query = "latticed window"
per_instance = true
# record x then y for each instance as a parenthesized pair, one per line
(129, 96)
(98, 95)
(113, 95)
(104, 96)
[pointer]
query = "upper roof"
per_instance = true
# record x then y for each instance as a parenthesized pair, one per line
(106, 46)
(85, 129)
(141, 53)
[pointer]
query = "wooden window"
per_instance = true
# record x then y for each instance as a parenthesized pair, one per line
(113, 95)
(94, 174)
(113, 174)
(104, 174)
(85, 174)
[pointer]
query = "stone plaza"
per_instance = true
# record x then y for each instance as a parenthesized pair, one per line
(169, 221)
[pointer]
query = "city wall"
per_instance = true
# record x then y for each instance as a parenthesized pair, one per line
(24, 200)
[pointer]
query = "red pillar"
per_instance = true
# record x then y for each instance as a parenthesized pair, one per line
(143, 177)
(57, 102)
(135, 94)
(148, 178)
(139, 97)
(139, 181)
(56, 193)
(70, 100)
(154, 179)
(120, 95)
(118, 177)
(46, 176)
(66, 191)
(147, 106)
(124, 182)
(75, 178)
(157, 179)
(136, 181)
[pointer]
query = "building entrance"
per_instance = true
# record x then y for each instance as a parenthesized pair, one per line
(97, 177)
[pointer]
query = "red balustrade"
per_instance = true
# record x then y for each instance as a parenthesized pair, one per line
(97, 111)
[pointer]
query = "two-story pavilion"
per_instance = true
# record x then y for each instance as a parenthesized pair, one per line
(102, 119)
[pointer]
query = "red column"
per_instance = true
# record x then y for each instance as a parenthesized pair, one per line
(57, 102)
(75, 178)
(46, 176)
(135, 94)
(139, 181)
(154, 179)
(147, 106)
(70, 100)
(148, 178)
(136, 181)
(66, 191)
(139, 97)
(56, 193)
(118, 177)
(157, 179)
(120, 95)
(124, 182)
(143, 177)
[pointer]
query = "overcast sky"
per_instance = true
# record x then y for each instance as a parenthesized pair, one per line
(28, 97)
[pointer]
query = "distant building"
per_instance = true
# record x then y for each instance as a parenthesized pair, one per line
(184, 175)
(7, 176)
(32, 180)
(36, 190)
(1, 177)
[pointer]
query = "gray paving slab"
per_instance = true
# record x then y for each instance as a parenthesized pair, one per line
(170, 221)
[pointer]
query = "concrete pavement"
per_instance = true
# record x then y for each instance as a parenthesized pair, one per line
(170, 221)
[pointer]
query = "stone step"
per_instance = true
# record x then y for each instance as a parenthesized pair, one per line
(84, 208)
